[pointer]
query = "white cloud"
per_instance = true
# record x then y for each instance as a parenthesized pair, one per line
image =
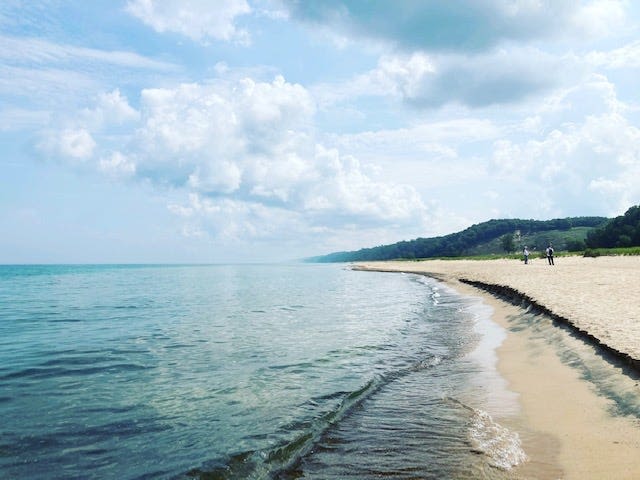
(237, 222)
(475, 54)
(462, 26)
(424, 137)
(590, 157)
(395, 75)
(246, 150)
(226, 178)
(76, 144)
(111, 109)
(627, 56)
(498, 77)
(36, 51)
(52, 77)
(117, 165)
(217, 133)
(91, 134)
(599, 17)
(200, 20)
(576, 153)
(68, 144)
(623, 188)
(344, 189)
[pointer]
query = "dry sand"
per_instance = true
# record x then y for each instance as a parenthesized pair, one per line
(566, 426)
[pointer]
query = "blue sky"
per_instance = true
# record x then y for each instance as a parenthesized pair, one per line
(268, 130)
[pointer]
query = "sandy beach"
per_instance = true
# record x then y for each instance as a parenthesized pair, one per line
(566, 424)
(597, 295)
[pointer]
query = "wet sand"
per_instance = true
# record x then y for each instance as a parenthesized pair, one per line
(566, 425)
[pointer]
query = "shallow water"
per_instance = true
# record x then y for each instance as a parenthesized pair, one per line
(245, 371)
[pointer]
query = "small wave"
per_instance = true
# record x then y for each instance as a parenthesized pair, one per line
(266, 463)
(293, 367)
(291, 308)
(179, 345)
(52, 372)
(501, 446)
(429, 362)
(269, 462)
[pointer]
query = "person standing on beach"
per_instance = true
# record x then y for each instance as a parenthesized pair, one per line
(550, 254)
(525, 252)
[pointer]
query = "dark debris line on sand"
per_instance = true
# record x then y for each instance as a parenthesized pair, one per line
(517, 298)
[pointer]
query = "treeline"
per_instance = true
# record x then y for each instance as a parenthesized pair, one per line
(622, 231)
(457, 244)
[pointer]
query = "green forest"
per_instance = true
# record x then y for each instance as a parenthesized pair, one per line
(482, 238)
(622, 231)
(508, 236)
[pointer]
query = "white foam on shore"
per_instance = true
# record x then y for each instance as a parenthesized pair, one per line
(490, 391)
(500, 445)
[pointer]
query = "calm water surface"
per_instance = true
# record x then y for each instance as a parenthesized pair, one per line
(242, 371)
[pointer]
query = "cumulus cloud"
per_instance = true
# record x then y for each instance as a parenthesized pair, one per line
(598, 17)
(435, 139)
(344, 189)
(589, 155)
(627, 56)
(200, 20)
(71, 145)
(211, 135)
(230, 221)
(498, 77)
(92, 133)
(245, 149)
(576, 152)
(461, 26)
(117, 165)
(112, 108)
(471, 53)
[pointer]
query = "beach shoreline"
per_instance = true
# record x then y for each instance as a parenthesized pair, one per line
(566, 425)
(592, 296)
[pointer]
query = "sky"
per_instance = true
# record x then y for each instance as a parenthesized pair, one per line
(209, 131)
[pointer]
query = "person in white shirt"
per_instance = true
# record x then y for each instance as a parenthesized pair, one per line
(550, 254)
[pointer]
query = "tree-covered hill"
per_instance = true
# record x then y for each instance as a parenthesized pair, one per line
(473, 240)
(622, 231)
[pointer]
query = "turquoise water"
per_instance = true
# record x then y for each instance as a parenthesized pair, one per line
(239, 371)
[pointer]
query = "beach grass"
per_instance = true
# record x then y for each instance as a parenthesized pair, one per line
(597, 252)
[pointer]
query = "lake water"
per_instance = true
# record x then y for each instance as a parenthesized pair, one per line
(245, 371)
